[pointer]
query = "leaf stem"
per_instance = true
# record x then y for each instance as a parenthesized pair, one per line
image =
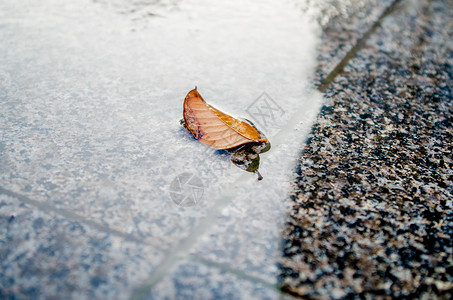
(259, 175)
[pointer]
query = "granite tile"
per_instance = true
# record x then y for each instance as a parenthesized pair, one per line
(46, 256)
(343, 24)
(194, 280)
(372, 217)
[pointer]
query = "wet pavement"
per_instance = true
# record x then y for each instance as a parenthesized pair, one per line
(94, 165)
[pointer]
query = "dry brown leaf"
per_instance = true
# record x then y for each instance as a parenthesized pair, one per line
(214, 128)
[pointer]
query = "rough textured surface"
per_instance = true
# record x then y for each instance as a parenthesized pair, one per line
(372, 214)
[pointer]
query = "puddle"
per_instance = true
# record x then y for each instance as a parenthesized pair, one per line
(91, 97)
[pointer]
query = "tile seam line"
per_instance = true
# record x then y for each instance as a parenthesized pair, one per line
(240, 274)
(46, 208)
(359, 45)
(236, 272)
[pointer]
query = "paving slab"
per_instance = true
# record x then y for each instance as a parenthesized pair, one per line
(373, 214)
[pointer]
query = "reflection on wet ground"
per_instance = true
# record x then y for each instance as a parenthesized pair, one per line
(99, 183)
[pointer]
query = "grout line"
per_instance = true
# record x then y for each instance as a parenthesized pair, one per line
(242, 275)
(357, 47)
(236, 272)
(188, 242)
(45, 207)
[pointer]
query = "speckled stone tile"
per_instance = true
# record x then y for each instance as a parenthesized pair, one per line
(343, 24)
(373, 215)
(194, 280)
(45, 256)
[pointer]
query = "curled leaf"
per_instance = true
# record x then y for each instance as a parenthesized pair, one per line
(214, 128)
(220, 131)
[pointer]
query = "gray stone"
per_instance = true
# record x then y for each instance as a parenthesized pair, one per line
(373, 213)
